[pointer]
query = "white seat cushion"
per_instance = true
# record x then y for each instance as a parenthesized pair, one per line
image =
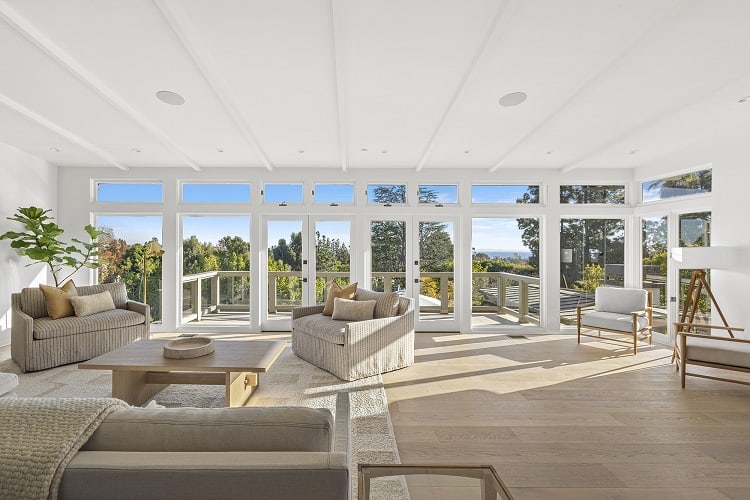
(612, 321)
(620, 300)
(716, 351)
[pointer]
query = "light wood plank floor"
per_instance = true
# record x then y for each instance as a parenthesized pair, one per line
(563, 421)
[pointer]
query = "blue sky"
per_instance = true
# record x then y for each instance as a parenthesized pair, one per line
(499, 234)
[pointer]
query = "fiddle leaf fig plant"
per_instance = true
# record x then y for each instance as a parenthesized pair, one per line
(39, 241)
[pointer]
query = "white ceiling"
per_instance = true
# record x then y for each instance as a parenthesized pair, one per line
(411, 84)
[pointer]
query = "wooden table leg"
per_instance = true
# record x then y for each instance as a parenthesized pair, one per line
(131, 386)
(240, 386)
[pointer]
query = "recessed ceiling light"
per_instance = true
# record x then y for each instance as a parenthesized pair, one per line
(384, 151)
(634, 151)
(512, 99)
(300, 150)
(170, 97)
(219, 150)
(549, 151)
(745, 99)
(364, 150)
(135, 150)
(467, 151)
(54, 150)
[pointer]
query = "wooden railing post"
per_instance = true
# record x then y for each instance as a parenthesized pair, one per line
(500, 294)
(444, 297)
(523, 302)
(198, 299)
(271, 293)
(215, 291)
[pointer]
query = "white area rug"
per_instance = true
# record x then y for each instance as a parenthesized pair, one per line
(290, 382)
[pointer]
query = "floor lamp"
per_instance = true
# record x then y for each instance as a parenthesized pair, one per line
(152, 249)
(700, 259)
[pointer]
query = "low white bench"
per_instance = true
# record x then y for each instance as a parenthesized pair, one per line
(8, 382)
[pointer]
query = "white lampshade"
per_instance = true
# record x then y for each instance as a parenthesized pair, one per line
(716, 257)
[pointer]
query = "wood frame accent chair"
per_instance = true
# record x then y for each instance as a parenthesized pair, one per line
(622, 311)
(713, 351)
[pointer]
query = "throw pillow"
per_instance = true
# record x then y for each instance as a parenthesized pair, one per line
(352, 310)
(386, 302)
(86, 305)
(336, 291)
(58, 299)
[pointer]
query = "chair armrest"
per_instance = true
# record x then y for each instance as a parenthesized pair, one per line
(711, 337)
(299, 312)
(139, 307)
(715, 327)
(583, 306)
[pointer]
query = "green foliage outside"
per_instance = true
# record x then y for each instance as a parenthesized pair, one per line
(593, 275)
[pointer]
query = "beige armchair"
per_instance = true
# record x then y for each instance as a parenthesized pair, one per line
(622, 311)
(713, 351)
(356, 349)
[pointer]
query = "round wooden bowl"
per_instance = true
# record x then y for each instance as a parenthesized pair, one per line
(192, 347)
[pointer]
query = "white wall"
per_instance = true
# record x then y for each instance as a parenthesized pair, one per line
(730, 157)
(24, 180)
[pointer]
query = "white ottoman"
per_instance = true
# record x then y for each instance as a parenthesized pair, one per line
(8, 382)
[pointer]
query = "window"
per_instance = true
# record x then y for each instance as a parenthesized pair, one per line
(505, 271)
(438, 194)
(216, 269)
(481, 193)
(283, 193)
(145, 192)
(215, 193)
(676, 186)
(592, 254)
(592, 194)
(386, 194)
(123, 257)
(695, 231)
(334, 194)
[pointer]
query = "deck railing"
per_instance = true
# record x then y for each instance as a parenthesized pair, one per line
(500, 293)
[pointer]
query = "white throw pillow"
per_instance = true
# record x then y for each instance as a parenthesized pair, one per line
(85, 305)
(352, 310)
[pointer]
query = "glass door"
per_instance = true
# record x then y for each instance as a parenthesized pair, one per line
(654, 251)
(331, 256)
(434, 275)
(388, 255)
(286, 265)
(303, 256)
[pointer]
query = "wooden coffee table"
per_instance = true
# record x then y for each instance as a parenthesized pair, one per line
(139, 370)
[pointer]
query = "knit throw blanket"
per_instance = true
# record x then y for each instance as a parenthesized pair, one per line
(38, 437)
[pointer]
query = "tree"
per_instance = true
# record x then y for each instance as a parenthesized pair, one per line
(39, 241)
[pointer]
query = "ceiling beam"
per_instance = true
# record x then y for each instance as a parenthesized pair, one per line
(339, 90)
(610, 64)
(502, 17)
(61, 131)
(179, 21)
(15, 20)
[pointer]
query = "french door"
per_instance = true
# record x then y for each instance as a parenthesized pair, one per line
(416, 257)
(303, 255)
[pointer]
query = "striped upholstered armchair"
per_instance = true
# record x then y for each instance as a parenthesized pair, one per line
(356, 349)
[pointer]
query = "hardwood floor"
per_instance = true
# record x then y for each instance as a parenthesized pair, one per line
(563, 421)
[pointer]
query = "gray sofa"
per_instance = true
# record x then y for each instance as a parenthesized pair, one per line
(354, 350)
(38, 342)
(227, 453)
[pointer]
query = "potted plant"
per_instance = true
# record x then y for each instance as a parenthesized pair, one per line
(40, 242)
